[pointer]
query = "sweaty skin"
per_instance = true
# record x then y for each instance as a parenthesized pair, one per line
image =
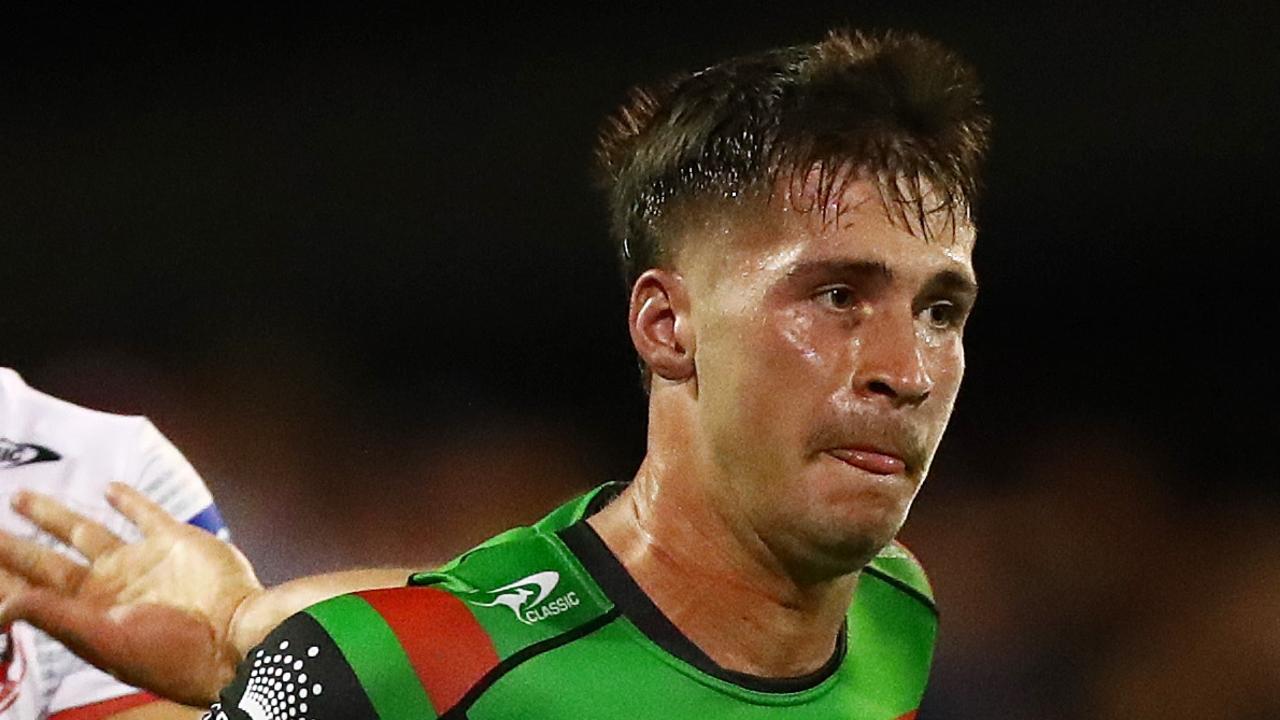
(805, 367)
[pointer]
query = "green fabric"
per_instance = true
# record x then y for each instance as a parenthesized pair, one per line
(617, 672)
(376, 656)
(611, 670)
(523, 552)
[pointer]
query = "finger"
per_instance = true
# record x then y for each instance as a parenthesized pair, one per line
(148, 516)
(11, 584)
(39, 565)
(72, 528)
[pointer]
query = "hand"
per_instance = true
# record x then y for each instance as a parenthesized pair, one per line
(157, 613)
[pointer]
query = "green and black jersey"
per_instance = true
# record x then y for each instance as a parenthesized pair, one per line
(544, 622)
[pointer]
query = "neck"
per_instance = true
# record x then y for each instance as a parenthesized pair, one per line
(718, 583)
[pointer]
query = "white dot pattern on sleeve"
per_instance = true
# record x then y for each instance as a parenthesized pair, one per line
(270, 694)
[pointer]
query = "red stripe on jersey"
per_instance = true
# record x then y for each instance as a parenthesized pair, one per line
(448, 649)
(106, 708)
(909, 716)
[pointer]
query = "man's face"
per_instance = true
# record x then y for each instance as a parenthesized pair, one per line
(828, 358)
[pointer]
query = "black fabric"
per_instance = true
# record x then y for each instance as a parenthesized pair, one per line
(284, 673)
(622, 589)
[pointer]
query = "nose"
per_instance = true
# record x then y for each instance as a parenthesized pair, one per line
(892, 365)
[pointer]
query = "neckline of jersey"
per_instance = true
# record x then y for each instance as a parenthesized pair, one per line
(626, 594)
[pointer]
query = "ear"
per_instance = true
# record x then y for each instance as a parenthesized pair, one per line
(661, 329)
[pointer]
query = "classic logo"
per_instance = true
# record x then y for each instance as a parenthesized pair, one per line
(525, 597)
(13, 454)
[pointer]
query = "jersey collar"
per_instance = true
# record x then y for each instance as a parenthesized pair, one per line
(622, 589)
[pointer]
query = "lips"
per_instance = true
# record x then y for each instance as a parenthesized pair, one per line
(877, 462)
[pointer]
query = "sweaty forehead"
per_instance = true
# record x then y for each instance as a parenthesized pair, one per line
(779, 231)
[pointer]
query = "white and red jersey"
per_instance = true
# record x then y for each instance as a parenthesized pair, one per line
(72, 453)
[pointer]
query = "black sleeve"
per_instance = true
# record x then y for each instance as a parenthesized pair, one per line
(297, 673)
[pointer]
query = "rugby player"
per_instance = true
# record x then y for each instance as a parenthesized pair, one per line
(796, 232)
(69, 452)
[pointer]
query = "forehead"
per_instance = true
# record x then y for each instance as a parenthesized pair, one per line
(772, 236)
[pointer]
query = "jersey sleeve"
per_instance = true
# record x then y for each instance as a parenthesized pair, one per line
(411, 652)
(299, 671)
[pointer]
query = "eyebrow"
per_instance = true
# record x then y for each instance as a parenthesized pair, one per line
(944, 281)
(952, 282)
(861, 268)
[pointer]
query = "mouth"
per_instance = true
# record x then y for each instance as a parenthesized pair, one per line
(873, 460)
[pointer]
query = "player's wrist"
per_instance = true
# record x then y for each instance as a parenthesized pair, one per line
(250, 620)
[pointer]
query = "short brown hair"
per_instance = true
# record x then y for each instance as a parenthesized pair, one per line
(891, 106)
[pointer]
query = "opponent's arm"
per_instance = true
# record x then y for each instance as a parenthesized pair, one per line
(173, 613)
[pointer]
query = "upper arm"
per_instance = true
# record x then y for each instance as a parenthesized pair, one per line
(366, 655)
(264, 612)
(297, 667)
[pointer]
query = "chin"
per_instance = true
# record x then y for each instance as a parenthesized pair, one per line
(859, 528)
(868, 535)
(872, 508)
(843, 543)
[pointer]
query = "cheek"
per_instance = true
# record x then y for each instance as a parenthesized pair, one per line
(797, 336)
(947, 370)
(784, 348)
(762, 377)
(950, 367)
(810, 348)
(797, 367)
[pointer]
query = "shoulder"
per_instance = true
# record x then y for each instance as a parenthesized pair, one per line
(77, 428)
(427, 647)
(105, 442)
(523, 587)
(72, 452)
(896, 567)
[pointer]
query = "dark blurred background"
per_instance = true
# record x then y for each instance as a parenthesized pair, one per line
(352, 264)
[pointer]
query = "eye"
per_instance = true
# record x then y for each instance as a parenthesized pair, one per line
(943, 314)
(838, 297)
